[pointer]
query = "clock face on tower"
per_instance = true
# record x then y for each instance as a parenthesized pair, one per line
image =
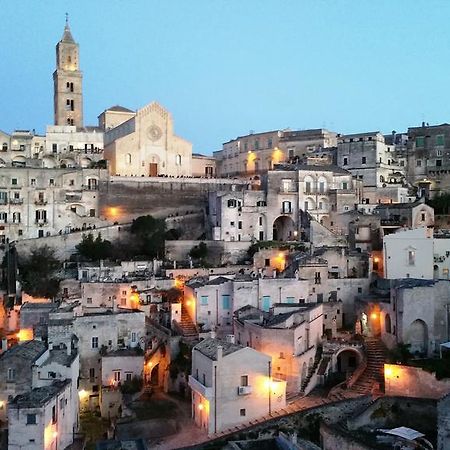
(154, 132)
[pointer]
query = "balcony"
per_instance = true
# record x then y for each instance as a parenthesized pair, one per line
(198, 387)
(16, 201)
(73, 196)
(40, 201)
(90, 187)
(3, 201)
(41, 222)
(244, 390)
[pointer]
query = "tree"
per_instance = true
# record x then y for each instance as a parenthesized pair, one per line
(38, 272)
(199, 251)
(149, 236)
(92, 249)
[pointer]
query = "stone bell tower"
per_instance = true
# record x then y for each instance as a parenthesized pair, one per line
(67, 81)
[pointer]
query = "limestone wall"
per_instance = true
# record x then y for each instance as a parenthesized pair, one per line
(410, 381)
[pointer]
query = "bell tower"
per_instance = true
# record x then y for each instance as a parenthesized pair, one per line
(67, 81)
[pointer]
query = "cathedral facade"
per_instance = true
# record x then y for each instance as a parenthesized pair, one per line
(146, 145)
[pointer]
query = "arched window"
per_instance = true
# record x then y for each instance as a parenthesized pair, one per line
(128, 158)
(5, 147)
(178, 160)
(381, 179)
(387, 323)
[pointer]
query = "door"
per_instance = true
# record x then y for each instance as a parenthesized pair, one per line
(266, 303)
(153, 169)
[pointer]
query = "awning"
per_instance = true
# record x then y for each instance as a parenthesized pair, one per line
(403, 432)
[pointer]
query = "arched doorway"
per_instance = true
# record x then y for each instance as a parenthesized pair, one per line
(283, 229)
(154, 375)
(417, 337)
(347, 361)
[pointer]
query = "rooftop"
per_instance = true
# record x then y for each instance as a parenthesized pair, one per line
(29, 351)
(39, 396)
(124, 352)
(208, 347)
(118, 108)
(61, 357)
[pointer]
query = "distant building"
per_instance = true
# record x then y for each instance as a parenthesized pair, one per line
(40, 202)
(256, 153)
(145, 145)
(203, 166)
(232, 385)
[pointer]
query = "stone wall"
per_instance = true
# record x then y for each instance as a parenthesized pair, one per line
(410, 381)
(64, 244)
(219, 252)
(125, 198)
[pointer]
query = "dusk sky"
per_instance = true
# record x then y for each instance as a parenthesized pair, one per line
(223, 68)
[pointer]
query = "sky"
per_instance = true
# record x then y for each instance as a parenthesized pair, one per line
(225, 67)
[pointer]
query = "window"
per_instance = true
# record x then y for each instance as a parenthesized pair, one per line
(226, 303)
(92, 374)
(286, 207)
(422, 217)
(261, 235)
(232, 224)
(439, 152)
(345, 162)
(128, 158)
(133, 336)
(33, 182)
(290, 299)
(117, 375)
(232, 203)
(178, 160)
(269, 143)
(411, 257)
(242, 412)
(360, 290)
(11, 374)
(344, 185)
(363, 160)
(204, 300)
(5, 147)
(308, 187)
(16, 217)
(317, 278)
(3, 217)
(256, 145)
(306, 206)
(31, 419)
(14, 181)
(260, 221)
(244, 380)
(438, 162)
(420, 141)
(267, 262)
(128, 376)
(94, 342)
(321, 187)
(419, 163)
(54, 415)
(92, 212)
(51, 182)
(440, 140)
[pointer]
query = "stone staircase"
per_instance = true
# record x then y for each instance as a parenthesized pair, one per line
(188, 328)
(372, 379)
(311, 371)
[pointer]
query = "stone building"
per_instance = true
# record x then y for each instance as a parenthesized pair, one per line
(94, 334)
(290, 196)
(67, 80)
(371, 160)
(43, 418)
(256, 153)
(417, 253)
(16, 371)
(42, 202)
(203, 166)
(290, 334)
(231, 385)
(427, 156)
(145, 145)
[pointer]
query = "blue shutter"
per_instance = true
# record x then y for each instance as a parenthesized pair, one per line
(266, 303)
(226, 303)
(204, 300)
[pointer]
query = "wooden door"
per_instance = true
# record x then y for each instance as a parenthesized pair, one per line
(153, 170)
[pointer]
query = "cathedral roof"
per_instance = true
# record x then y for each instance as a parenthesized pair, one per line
(67, 35)
(119, 109)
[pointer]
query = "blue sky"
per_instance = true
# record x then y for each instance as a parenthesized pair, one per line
(224, 67)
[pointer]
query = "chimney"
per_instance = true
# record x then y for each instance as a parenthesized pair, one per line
(219, 352)
(230, 338)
